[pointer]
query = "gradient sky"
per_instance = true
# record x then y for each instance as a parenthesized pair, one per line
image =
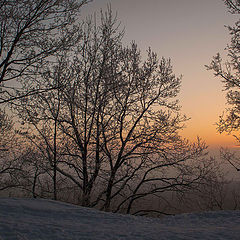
(190, 32)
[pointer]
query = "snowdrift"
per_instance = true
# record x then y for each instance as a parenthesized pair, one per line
(33, 219)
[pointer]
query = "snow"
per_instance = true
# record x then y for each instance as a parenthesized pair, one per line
(35, 219)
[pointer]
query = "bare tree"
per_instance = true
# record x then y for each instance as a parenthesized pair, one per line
(214, 192)
(39, 118)
(229, 73)
(115, 120)
(233, 6)
(31, 33)
(10, 165)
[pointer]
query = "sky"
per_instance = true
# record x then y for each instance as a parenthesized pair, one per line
(190, 32)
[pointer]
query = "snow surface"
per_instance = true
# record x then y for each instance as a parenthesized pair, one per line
(33, 219)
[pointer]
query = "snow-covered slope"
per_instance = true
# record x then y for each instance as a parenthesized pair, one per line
(33, 219)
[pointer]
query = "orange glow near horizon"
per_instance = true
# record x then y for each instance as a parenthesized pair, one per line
(204, 113)
(210, 135)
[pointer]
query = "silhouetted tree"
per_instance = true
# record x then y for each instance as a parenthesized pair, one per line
(233, 6)
(214, 192)
(229, 73)
(11, 167)
(112, 126)
(31, 33)
(39, 120)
